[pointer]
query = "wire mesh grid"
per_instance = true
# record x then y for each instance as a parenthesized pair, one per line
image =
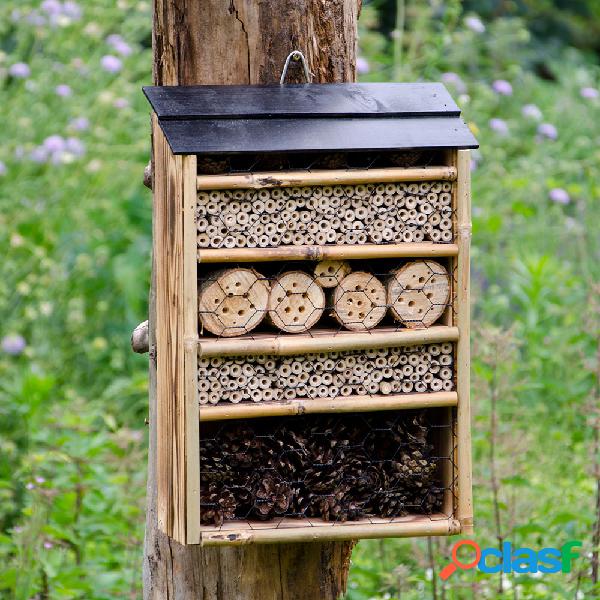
(312, 470)
(294, 298)
(397, 370)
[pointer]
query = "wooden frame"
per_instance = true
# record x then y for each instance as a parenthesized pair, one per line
(178, 346)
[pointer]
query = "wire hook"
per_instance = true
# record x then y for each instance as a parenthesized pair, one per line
(295, 55)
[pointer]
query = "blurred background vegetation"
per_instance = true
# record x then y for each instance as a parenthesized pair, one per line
(75, 234)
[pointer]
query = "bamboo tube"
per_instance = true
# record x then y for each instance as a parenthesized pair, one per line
(236, 533)
(322, 177)
(338, 404)
(464, 512)
(337, 252)
(323, 341)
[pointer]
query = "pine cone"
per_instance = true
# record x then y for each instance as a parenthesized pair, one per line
(272, 497)
(217, 503)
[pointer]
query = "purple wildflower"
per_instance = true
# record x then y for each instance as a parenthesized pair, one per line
(52, 7)
(548, 131)
(362, 65)
(455, 81)
(19, 70)
(559, 195)
(54, 143)
(589, 93)
(111, 63)
(118, 44)
(34, 18)
(75, 146)
(502, 87)
(72, 10)
(499, 126)
(48, 545)
(63, 90)
(30, 486)
(79, 124)
(121, 103)
(3, 169)
(531, 111)
(13, 344)
(40, 480)
(39, 154)
(474, 23)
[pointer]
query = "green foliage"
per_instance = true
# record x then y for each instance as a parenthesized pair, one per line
(536, 327)
(75, 230)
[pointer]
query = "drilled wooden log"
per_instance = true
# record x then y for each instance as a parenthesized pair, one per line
(418, 293)
(359, 301)
(296, 302)
(329, 273)
(232, 302)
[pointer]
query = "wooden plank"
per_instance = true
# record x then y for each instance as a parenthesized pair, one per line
(238, 136)
(319, 340)
(358, 251)
(324, 100)
(288, 530)
(168, 249)
(463, 351)
(324, 177)
(190, 302)
(339, 404)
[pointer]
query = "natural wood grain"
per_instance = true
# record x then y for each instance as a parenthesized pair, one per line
(170, 309)
(418, 293)
(324, 341)
(296, 302)
(359, 301)
(290, 530)
(329, 273)
(327, 405)
(225, 43)
(463, 359)
(338, 252)
(324, 177)
(232, 302)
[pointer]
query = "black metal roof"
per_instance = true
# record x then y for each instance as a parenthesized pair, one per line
(308, 117)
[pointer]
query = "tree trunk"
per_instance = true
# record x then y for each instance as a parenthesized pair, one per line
(240, 42)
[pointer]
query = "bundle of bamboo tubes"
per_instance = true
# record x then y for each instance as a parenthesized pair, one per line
(406, 369)
(325, 214)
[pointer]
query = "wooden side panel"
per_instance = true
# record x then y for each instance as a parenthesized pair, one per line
(463, 358)
(168, 249)
(190, 300)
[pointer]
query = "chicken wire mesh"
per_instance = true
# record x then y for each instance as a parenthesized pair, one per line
(397, 370)
(328, 468)
(295, 298)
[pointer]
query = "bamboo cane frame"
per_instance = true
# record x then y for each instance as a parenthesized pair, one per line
(324, 177)
(337, 252)
(339, 404)
(324, 341)
(190, 332)
(290, 530)
(464, 511)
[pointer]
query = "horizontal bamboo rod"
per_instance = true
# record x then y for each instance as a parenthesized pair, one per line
(324, 177)
(348, 252)
(339, 404)
(324, 341)
(291, 530)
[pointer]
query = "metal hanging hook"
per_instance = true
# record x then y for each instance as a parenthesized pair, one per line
(295, 55)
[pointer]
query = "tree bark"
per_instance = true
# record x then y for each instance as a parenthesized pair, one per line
(241, 42)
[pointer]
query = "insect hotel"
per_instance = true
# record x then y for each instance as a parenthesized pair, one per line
(312, 337)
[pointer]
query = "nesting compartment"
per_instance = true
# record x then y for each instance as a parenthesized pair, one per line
(312, 259)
